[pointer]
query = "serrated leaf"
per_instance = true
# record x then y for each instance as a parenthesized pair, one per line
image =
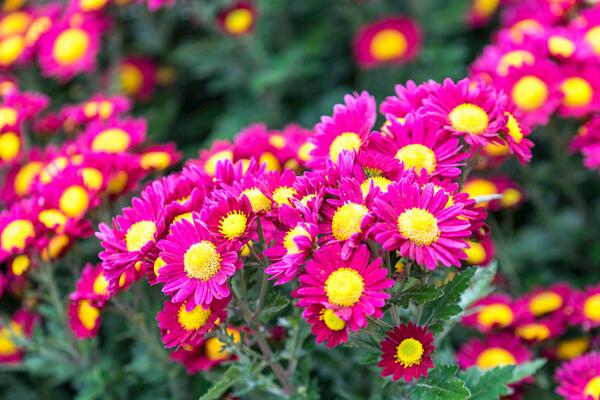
(229, 378)
(488, 385)
(529, 368)
(274, 303)
(441, 384)
(418, 294)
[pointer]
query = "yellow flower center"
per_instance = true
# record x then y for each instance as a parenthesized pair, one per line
(100, 286)
(510, 198)
(344, 287)
(529, 93)
(544, 303)
(70, 46)
(418, 157)
(117, 183)
(92, 5)
(202, 261)
(469, 118)
(332, 321)
(388, 44)
(378, 181)
(495, 314)
(8, 347)
(55, 247)
(591, 307)
(8, 116)
(497, 150)
(139, 234)
(592, 388)
(283, 194)
(132, 79)
(522, 27)
(215, 348)
(11, 49)
(53, 218)
(74, 201)
(238, 21)
(270, 161)
(593, 38)
(480, 187)
(113, 140)
(515, 58)
(195, 319)
(288, 240)
(347, 220)
(258, 200)
(211, 163)
(10, 145)
(87, 314)
(577, 92)
(346, 141)
(304, 151)
(514, 130)
(14, 23)
(38, 27)
(485, 7)
(25, 177)
(158, 160)
(495, 357)
(568, 349)
(104, 109)
(16, 234)
(561, 46)
(409, 352)
(475, 253)
(20, 264)
(158, 264)
(419, 226)
(533, 331)
(233, 225)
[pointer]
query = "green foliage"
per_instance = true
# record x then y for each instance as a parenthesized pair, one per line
(442, 383)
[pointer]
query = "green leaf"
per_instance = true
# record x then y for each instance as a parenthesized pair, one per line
(529, 368)
(418, 294)
(481, 285)
(274, 303)
(441, 384)
(488, 385)
(229, 378)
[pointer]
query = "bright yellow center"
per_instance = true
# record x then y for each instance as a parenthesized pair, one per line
(533, 331)
(346, 141)
(8, 116)
(332, 321)
(591, 307)
(100, 286)
(577, 92)
(14, 23)
(388, 44)
(593, 38)
(53, 168)
(158, 264)
(510, 198)
(20, 264)
(55, 247)
(258, 200)
(514, 130)
(529, 26)
(211, 163)
(52, 219)
(102, 108)
(344, 287)
(530, 93)
(592, 388)
(561, 46)
(238, 21)
(159, 160)
(480, 187)
(92, 5)
(233, 225)
(485, 7)
(10, 49)
(92, 178)
(16, 234)
(202, 261)
(195, 319)
(544, 303)
(495, 357)
(38, 27)
(8, 347)
(10, 145)
(409, 352)
(305, 150)
(139, 234)
(475, 253)
(378, 181)
(113, 140)
(132, 79)
(419, 226)
(215, 348)
(469, 118)
(497, 150)
(283, 194)
(88, 314)
(347, 220)
(495, 315)
(270, 161)
(70, 46)
(418, 157)
(74, 201)
(25, 177)
(288, 240)
(277, 141)
(568, 349)
(515, 58)
(117, 183)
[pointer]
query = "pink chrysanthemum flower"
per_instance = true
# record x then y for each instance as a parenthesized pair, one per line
(196, 266)
(494, 351)
(407, 99)
(569, 347)
(516, 133)
(92, 286)
(84, 318)
(415, 221)
(354, 288)
(392, 40)
(494, 311)
(229, 218)
(181, 326)
(540, 330)
(137, 76)
(406, 352)
(580, 87)
(159, 157)
(11, 147)
(544, 301)
(565, 44)
(481, 251)
(69, 193)
(220, 150)
(373, 170)
(99, 106)
(114, 135)
(239, 19)
(326, 325)
(579, 379)
(346, 130)
(20, 327)
(19, 228)
(527, 20)
(278, 188)
(586, 307)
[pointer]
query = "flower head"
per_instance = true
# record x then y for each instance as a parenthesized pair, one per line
(579, 379)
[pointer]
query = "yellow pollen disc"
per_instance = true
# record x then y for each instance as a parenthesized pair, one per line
(20, 264)
(123, 279)
(485, 7)
(25, 177)
(409, 352)
(271, 162)
(10, 145)
(16, 234)
(117, 183)
(104, 109)
(53, 219)
(593, 38)
(344, 287)
(11, 49)
(591, 307)
(211, 163)
(195, 319)
(158, 160)
(37, 28)
(288, 240)
(568, 349)
(55, 247)
(511, 197)
(245, 251)
(92, 5)
(592, 388)
(475, 253)
(529, 26)
(233, 225)
(497, 150)
(8, 347)
(8, 116)
(277, 141)
(332, 321)
(283, 194)
(347, 220)
(533, 331)
(189, 216)
(495, 315)
(202, 261)
(70, 46)
(215, 348)
(388, 44)
(419, 226)
(577, 92)
(92, 178)
(480, 187)
(545, 302)
(561, 46)
(469, 118)
(74, 201)
(515, 58)
(14, 23)
(88, 314)
(158, 264)
(139, 234)
(529, 93)
(346, 141)
(100, 286)
(132, 79)
(514, 130)
(113, 140)
(378, 181)
(304, 151)
(238, 21)
(418, 157)
(258, 200)
(495, 357)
